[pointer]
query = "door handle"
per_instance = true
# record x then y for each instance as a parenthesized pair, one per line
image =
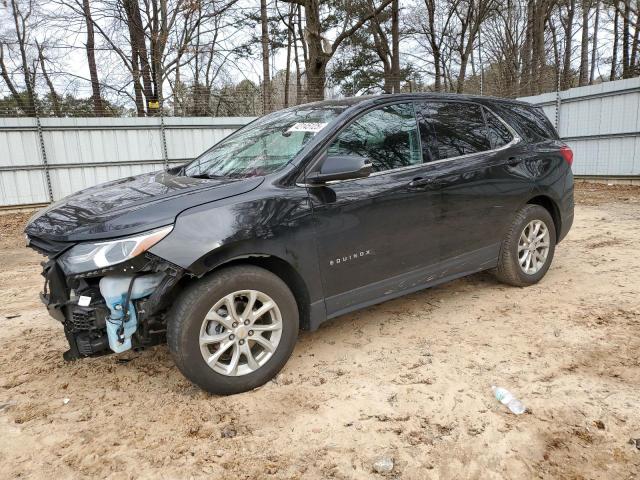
(513, 161)
(419, 182)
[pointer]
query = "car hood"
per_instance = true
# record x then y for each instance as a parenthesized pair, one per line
(130, 205)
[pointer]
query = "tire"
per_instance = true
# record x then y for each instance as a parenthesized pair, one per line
(187, 329)
(509, 269)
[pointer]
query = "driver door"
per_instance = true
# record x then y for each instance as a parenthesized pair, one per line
(375, 235)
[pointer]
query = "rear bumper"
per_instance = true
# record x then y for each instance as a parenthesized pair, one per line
(566, 208)
(567, 222)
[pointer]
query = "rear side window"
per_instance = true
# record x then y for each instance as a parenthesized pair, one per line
(387, 136)
(497, 132)
(451, 129)
(529, 121)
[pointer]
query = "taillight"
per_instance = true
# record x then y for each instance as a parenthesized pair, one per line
(567, 154)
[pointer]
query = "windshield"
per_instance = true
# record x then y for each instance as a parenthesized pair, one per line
(265, 145)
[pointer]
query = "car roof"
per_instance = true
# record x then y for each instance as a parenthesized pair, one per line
(374, 99)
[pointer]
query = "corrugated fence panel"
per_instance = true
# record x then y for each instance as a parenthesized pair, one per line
(82, 152)
(601, 123)
(20, 147)
(19, 187)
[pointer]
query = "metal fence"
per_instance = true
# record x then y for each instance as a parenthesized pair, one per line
(47, 159)
(601, 124)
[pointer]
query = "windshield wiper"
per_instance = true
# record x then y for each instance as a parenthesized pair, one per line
(206, 175)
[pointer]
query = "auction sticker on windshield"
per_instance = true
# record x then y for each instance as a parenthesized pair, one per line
(307, 127)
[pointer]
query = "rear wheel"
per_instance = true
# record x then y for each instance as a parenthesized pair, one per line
(527, 249)
(234, 330)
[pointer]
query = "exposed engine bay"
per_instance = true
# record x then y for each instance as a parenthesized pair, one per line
(110, 310)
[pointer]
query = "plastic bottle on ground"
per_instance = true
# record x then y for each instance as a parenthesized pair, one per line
(505, 397)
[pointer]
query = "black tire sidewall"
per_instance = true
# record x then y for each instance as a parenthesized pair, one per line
(185, 322)
(533, 212)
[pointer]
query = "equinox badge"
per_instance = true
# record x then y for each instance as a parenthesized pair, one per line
(346, 258)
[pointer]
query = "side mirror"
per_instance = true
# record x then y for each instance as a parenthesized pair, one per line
(340, 167)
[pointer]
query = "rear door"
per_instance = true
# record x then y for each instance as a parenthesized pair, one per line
(480, 180)
(372, 232)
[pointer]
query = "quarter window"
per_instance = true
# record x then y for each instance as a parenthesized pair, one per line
(387, 136)
(497, 132)
(451, 129)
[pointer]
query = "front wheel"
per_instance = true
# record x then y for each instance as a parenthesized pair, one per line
(527, 249)
(233, 330)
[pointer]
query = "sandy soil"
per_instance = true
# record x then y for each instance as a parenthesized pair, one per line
(409, 379)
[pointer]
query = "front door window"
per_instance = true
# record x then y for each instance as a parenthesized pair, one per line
(387, 136)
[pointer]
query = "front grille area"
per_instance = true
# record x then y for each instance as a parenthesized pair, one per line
(84, 319)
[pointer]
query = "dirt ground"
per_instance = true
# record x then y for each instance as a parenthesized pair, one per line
(408, 379)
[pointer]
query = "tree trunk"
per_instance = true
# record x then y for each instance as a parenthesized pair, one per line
(177, 91)
(266, 83)
(436, 71)
(435, 47)
(635, 67)
(594, 47)
(464, 60)
(12, 88)
(539, 62)
(287, 78)
(296, 60)
(52, 91)
(317, 65)
(566, 68)
(316, 76)
(395, 45)
(91, 60)
(614, 50)
(138, 45)
(300, 94)
(525, 76)
(626, 20)
(584, 45)
(556, 50)
(137, 88)
(387, 76)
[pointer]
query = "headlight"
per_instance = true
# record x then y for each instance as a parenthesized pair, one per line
(92, 256)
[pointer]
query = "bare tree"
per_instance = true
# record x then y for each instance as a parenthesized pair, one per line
(320, 50)
(55, 103)
(614, 52)
(594, 45)
(266, 84)
(91, 58)
(395, 45)
(21, 15)
(436, 29)
(471, 14)
(197, 58)
(386, 44)
(634, 61)
(567, 25)
(584, 44)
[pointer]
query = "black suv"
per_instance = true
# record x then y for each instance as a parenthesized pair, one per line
(304, 215)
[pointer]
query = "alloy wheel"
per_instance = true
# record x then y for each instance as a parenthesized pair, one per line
(241, 332)
(533, 247)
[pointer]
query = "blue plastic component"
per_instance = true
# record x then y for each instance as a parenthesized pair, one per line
(114, 290)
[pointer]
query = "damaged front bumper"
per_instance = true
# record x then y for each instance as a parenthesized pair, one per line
(111, 310)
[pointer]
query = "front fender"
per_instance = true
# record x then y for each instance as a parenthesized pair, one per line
(276, 222)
